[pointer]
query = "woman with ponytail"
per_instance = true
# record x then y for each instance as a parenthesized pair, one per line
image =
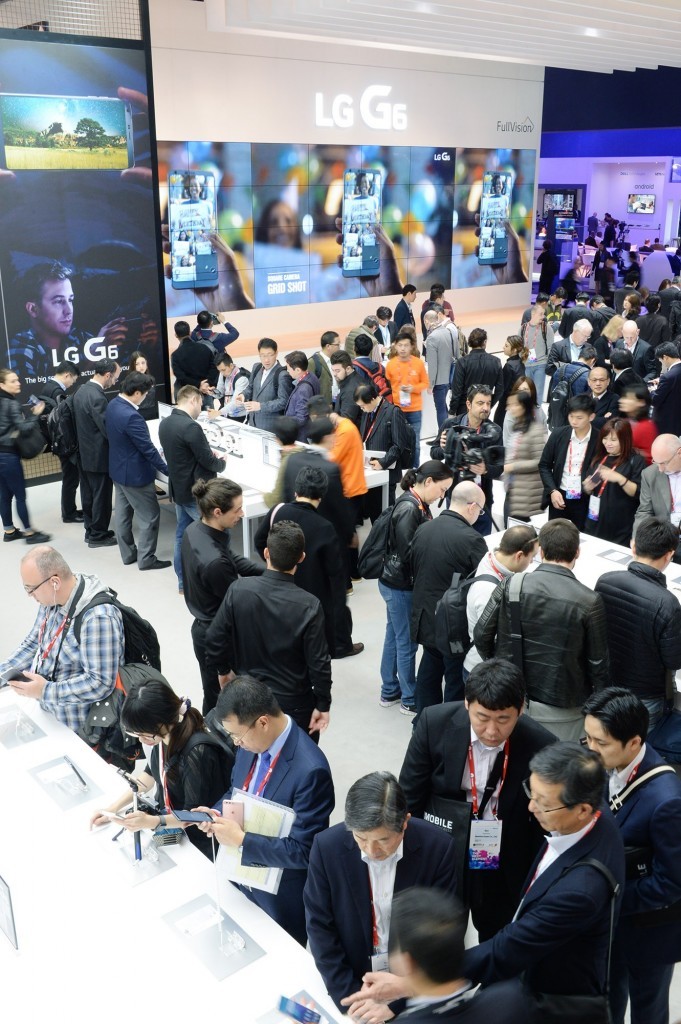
(421, 486)
(187, 765)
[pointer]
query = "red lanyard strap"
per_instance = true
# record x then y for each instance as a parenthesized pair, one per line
(499, 769)
(374, 924)
(247, 780)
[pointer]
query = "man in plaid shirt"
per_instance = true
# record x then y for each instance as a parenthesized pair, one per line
(65, 676)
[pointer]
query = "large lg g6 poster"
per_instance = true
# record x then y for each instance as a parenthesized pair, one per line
(257, 225)
(79, 256)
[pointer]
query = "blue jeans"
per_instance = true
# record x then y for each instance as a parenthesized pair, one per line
(415, 419)
(537, 373)
(12, 485)
(398, 661)
(440, 400)
(432, 668)
(185, 514)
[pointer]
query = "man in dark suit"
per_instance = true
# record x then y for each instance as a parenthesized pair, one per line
(269, 388)
(667, 396)
(52, 392)
(403, 310)
(565, 462)
(277, 761)
(356, 870)
(478, 367)
(347, 380)
(653, 327)
(323, 571)
(96, 488)
(580, 311)
(624, 375)
(189, 458)
(133, 464)
(631, 279)
(670, 295)
(645, 797)
(320, 363)
(644, 361)
(569, 349)
(192, 362)
(386, 330)
(488, 726)
(661, 485)
(606, 401)
(559, 937)
(334, 506)
(269, 627)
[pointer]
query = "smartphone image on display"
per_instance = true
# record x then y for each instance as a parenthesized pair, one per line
(495, 207)
(298, 1012)
(362, 197)
(192, 220)
(65, 133)
(192, 816)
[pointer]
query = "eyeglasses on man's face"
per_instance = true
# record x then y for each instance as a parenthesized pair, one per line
(30, 590)
(537, 803)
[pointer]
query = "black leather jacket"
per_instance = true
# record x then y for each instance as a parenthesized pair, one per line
(565, 645)
(406, 519)
(12, 421)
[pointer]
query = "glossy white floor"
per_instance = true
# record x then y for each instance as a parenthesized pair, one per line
(362, 736)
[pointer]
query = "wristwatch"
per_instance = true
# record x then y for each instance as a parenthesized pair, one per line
(162, 823)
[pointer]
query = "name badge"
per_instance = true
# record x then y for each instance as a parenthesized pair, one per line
(573, 491)
(532, 358)
(379, 962)
(484, 847)
(594, 508)
(676, 518)
(405, 397)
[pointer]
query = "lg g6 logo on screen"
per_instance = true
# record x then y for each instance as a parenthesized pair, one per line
(374, 110)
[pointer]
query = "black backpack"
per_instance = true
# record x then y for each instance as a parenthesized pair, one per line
(374, 549)
(140, 639)
(561, 393)
(102, 729)
(451, 619)
(61, 428)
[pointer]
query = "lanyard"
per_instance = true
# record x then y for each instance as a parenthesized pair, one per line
(474, 788)
(164, 781)
(493, 567)
(247, 780)
(372, 425)
(603, 485)
(421, 504)
(374, 924)
(534, 876)
(569, 458)
(671, 494)
(42, 654)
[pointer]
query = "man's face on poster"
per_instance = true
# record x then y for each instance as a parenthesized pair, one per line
(53, 313)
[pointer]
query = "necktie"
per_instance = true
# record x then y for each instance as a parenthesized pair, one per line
(262, 770)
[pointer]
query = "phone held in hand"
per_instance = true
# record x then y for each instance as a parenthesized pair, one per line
(192, 817)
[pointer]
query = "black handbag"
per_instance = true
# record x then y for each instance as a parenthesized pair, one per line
(31, 443)
(552, 1008)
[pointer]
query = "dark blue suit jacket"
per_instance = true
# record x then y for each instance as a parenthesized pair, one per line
(503, 1004)
(667, 402)
(133, 460)
(560, 935)
(338, 898)
(651, 817)
(301, 779)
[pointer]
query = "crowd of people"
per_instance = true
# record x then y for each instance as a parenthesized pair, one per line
(530, 795)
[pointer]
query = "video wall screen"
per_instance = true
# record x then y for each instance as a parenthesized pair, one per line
(80, 259)
(258, 225)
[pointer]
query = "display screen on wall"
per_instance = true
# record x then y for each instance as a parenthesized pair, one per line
(560, 202)
(79, 260)
(279, 238)
(638, 203)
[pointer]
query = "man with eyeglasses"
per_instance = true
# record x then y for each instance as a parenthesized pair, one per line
(607, 402)
(275, 760)
(661, 485)
(558, 940)
(65, 674)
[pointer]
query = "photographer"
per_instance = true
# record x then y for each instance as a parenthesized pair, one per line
(460, 447)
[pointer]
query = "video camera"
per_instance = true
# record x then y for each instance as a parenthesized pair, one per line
(465, 447)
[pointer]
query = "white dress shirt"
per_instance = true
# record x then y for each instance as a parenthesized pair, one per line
(382, 879)
(559, 844)
(483, 760)
(618, 780)
(574, 460)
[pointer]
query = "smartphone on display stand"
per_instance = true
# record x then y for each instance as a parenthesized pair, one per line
(495, 208)
(298, 1012)
(65, 133)
(192, 222)
(362, 205)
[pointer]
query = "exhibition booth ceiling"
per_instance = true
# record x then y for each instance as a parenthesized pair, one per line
(564, 33)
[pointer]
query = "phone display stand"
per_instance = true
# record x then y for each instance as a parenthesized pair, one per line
(16, 728)
(276, 1016)
(58, 779)
(154, 860)
(213, 937)
(7, 922)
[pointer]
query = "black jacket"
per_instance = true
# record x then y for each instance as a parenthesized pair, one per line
(511, 370)
(188, 455)
(406, 518)
(273, 630)
(493, 472)
(667, 297)
(626, 378)
(565, 649)
(434, 765)
(209, 567)
(478, 367)
(345, 401)
(89, 411)
(609, 402)
(322, 572)
(644, 628)
(444, 546)
(273, 395)
(654, 329)
(12, 421)
(385, 431)
(575, 313)
(334, 506)
(645, 363)
(552, 462)
(192, 362)
(674, 318)
(404, 314)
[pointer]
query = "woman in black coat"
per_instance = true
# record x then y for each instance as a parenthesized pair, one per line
(613, 484)
(12, 483)
(514, 367)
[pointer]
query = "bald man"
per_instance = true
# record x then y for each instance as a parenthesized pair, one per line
(661, 484)
(644, 362)
(441, 547)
